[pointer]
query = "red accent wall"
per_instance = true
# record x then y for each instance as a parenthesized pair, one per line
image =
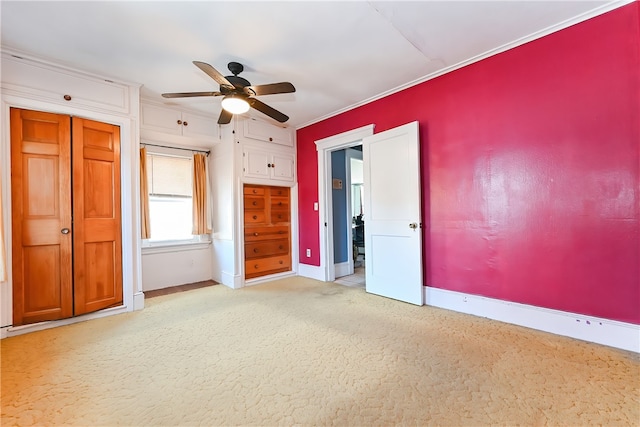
(530, 165)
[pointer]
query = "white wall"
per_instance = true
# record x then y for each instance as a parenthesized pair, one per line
(175, 267)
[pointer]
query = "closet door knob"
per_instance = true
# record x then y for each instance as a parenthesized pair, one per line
(65, 231)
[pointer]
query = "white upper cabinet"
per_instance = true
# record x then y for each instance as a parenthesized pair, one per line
(157, 121)
(262, 164)
(268, 152)
(262, 131)
(39, 80)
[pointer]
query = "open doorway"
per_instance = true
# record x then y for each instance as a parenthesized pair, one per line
(348, 218)
(326, 147)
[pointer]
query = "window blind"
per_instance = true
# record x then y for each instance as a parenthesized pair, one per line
(169, 176)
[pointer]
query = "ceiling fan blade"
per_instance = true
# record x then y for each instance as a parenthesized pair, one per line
(270, 89)
(189, 94)
(214, 74)
(225, 117)
(269, 111)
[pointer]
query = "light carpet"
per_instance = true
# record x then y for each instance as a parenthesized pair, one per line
(302, 352)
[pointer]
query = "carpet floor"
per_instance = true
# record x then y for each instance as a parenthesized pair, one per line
(298, 352)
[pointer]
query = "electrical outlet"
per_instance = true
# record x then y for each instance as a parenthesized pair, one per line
(315, 206)
(308, 253)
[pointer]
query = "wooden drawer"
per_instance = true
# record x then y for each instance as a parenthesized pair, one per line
(263, 266)
(255, 234)
(279, 203)
(266, 248)
(279, 216)
(256, 191)
(253, 203)
(279, 191)
(256, 217)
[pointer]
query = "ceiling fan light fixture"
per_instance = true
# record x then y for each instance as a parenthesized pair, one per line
(235, 104)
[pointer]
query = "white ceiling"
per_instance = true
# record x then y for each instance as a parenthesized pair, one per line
(338, 54)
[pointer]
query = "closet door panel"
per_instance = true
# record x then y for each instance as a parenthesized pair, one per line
(97, 225)
(41, 211)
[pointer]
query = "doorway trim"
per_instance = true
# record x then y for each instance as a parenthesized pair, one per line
(325, 207)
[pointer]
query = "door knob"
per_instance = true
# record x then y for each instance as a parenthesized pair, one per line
(65, 231)
(413, 225)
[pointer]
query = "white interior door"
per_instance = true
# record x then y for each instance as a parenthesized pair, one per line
(393, 235)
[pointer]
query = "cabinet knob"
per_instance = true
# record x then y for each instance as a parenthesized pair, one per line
(279, 203)
(67, 97)
(255, 217)
(268, 165)
(65, 231)
(254, 203)
(280, 247)
(256, 266)
(279, 216)
(255, 250)
(255, 191)
(255, 234)
(273, 165)
(185, 123)
(270, 139)
(179, 121)
(281, 262)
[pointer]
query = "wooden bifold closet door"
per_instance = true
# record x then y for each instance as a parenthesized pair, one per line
(65, 193)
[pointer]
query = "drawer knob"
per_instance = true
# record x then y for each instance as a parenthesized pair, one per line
(280, 247)
(255, 191)
(256, 266)
(281, 262)
(279, 216)
(255, 234)
(255, 250)
(279, 203)
(254, 203)
(67, 97)
(255, 217)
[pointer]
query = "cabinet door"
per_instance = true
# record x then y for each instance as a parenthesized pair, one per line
(282, 167)
(97, 236)
(63, 86)
(199, 127)
(161, 119)
(262, 131)
(41, 216)
(256, 163)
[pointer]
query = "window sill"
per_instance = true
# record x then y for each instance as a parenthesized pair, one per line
(159, 248)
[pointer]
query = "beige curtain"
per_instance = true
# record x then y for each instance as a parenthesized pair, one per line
(201, 199)
(145, 225)
(3, 255)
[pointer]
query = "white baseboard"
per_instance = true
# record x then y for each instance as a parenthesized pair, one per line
(231, 280)
(312, 272)
(269, 278)
(342, 269)
(612, 333)
(138, 301)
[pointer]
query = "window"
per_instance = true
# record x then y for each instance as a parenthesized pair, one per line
(170, 183)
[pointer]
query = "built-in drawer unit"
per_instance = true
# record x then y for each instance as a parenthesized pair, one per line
(267, 230)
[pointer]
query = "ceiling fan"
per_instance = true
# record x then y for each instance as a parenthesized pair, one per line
(238, 93)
